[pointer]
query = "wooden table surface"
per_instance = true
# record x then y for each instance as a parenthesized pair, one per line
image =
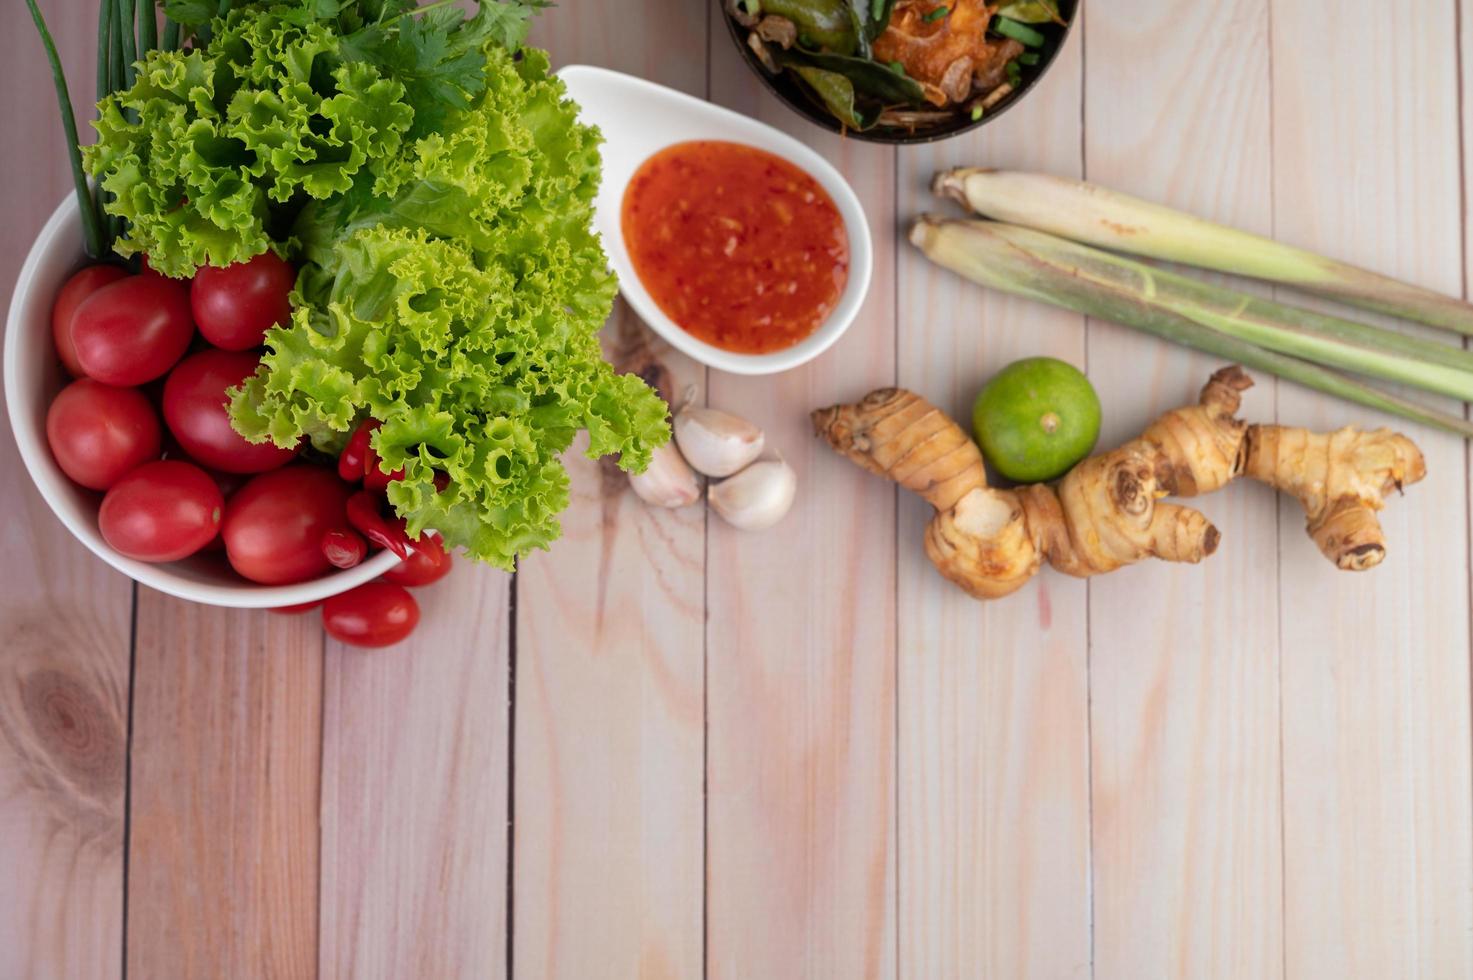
(667, 749)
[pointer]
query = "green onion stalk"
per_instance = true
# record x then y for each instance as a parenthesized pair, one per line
(91, 225)
(1290, 343)
(127, 30)
(1097, 216)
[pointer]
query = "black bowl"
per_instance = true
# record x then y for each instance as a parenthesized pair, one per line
(796, 98)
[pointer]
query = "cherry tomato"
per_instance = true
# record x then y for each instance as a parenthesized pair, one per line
(81, 285)
(132, 330)
(98, 433)
(235, 305)
(274, 524)
(375, 614)
(428, 562)
(228, 484)
(344, 547)
(145, 268)
(161, 511)
(197, 412)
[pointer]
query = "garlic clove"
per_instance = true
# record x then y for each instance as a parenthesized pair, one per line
(716, 443)
(668, 481)
(757, 497)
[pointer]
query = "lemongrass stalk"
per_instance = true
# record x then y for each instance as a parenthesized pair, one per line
(1097, 216)
(1028, 264)
(1325, 340)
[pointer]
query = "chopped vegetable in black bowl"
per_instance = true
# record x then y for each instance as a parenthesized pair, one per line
(899, 71)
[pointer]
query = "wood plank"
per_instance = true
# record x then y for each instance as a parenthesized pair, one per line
(610, 720)
(414, 792)
(1184, 660)
(1378, 855)
(223, 852)
(801, 646)
(64, 615)
(994, 763)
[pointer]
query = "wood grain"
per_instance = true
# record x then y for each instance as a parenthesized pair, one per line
(994, 764)
(801, 647)
(223, 852)
(414, 792)
(64, 616)
(1378, 854)
(610, 652)
(1184, 661)
(800, 753)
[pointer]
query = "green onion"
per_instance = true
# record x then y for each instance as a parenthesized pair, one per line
(104, 87)
(91, 227)
(1096, 216)
(116, 81)
(896, 67)
(171, 35)
(125, 36)
(148, 27)
(104, 46)
(1251, 331)
(976, 113)
(1018, 32)
(936, 15)
(1029, 58)
(1015, 74)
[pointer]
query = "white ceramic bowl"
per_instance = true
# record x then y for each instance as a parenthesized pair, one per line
(638, 119)
(33, 376)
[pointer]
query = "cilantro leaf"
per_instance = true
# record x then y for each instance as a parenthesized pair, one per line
(436, 52)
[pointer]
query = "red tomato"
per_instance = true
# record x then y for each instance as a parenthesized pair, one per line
(132, 330)
(274, 524)
(235, 305)
(161, 511)
(98, 433)
(228, 484)
(375, 614)
(428, 562)
(81, 285)
(196, 410)
(145, 268)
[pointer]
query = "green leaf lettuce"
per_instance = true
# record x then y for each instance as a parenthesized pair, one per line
(455, 293)
(204, 147)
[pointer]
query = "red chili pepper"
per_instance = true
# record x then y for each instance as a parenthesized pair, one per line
(354, 459)
(374, 478)
(343, 547)
(363, 514)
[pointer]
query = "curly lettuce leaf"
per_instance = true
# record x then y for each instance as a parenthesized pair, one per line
(200, 153)
(455, 294)
(214, 150)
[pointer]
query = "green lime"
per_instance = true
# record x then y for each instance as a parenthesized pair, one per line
(1035, 419)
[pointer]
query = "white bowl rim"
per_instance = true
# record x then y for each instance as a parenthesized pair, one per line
(51, 482)
(761, 135)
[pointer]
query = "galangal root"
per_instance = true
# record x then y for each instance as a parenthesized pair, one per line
(1106, 512)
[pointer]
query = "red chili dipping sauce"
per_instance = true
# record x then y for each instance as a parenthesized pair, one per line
(739, 247)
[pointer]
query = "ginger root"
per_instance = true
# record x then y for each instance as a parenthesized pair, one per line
(1107, 511)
